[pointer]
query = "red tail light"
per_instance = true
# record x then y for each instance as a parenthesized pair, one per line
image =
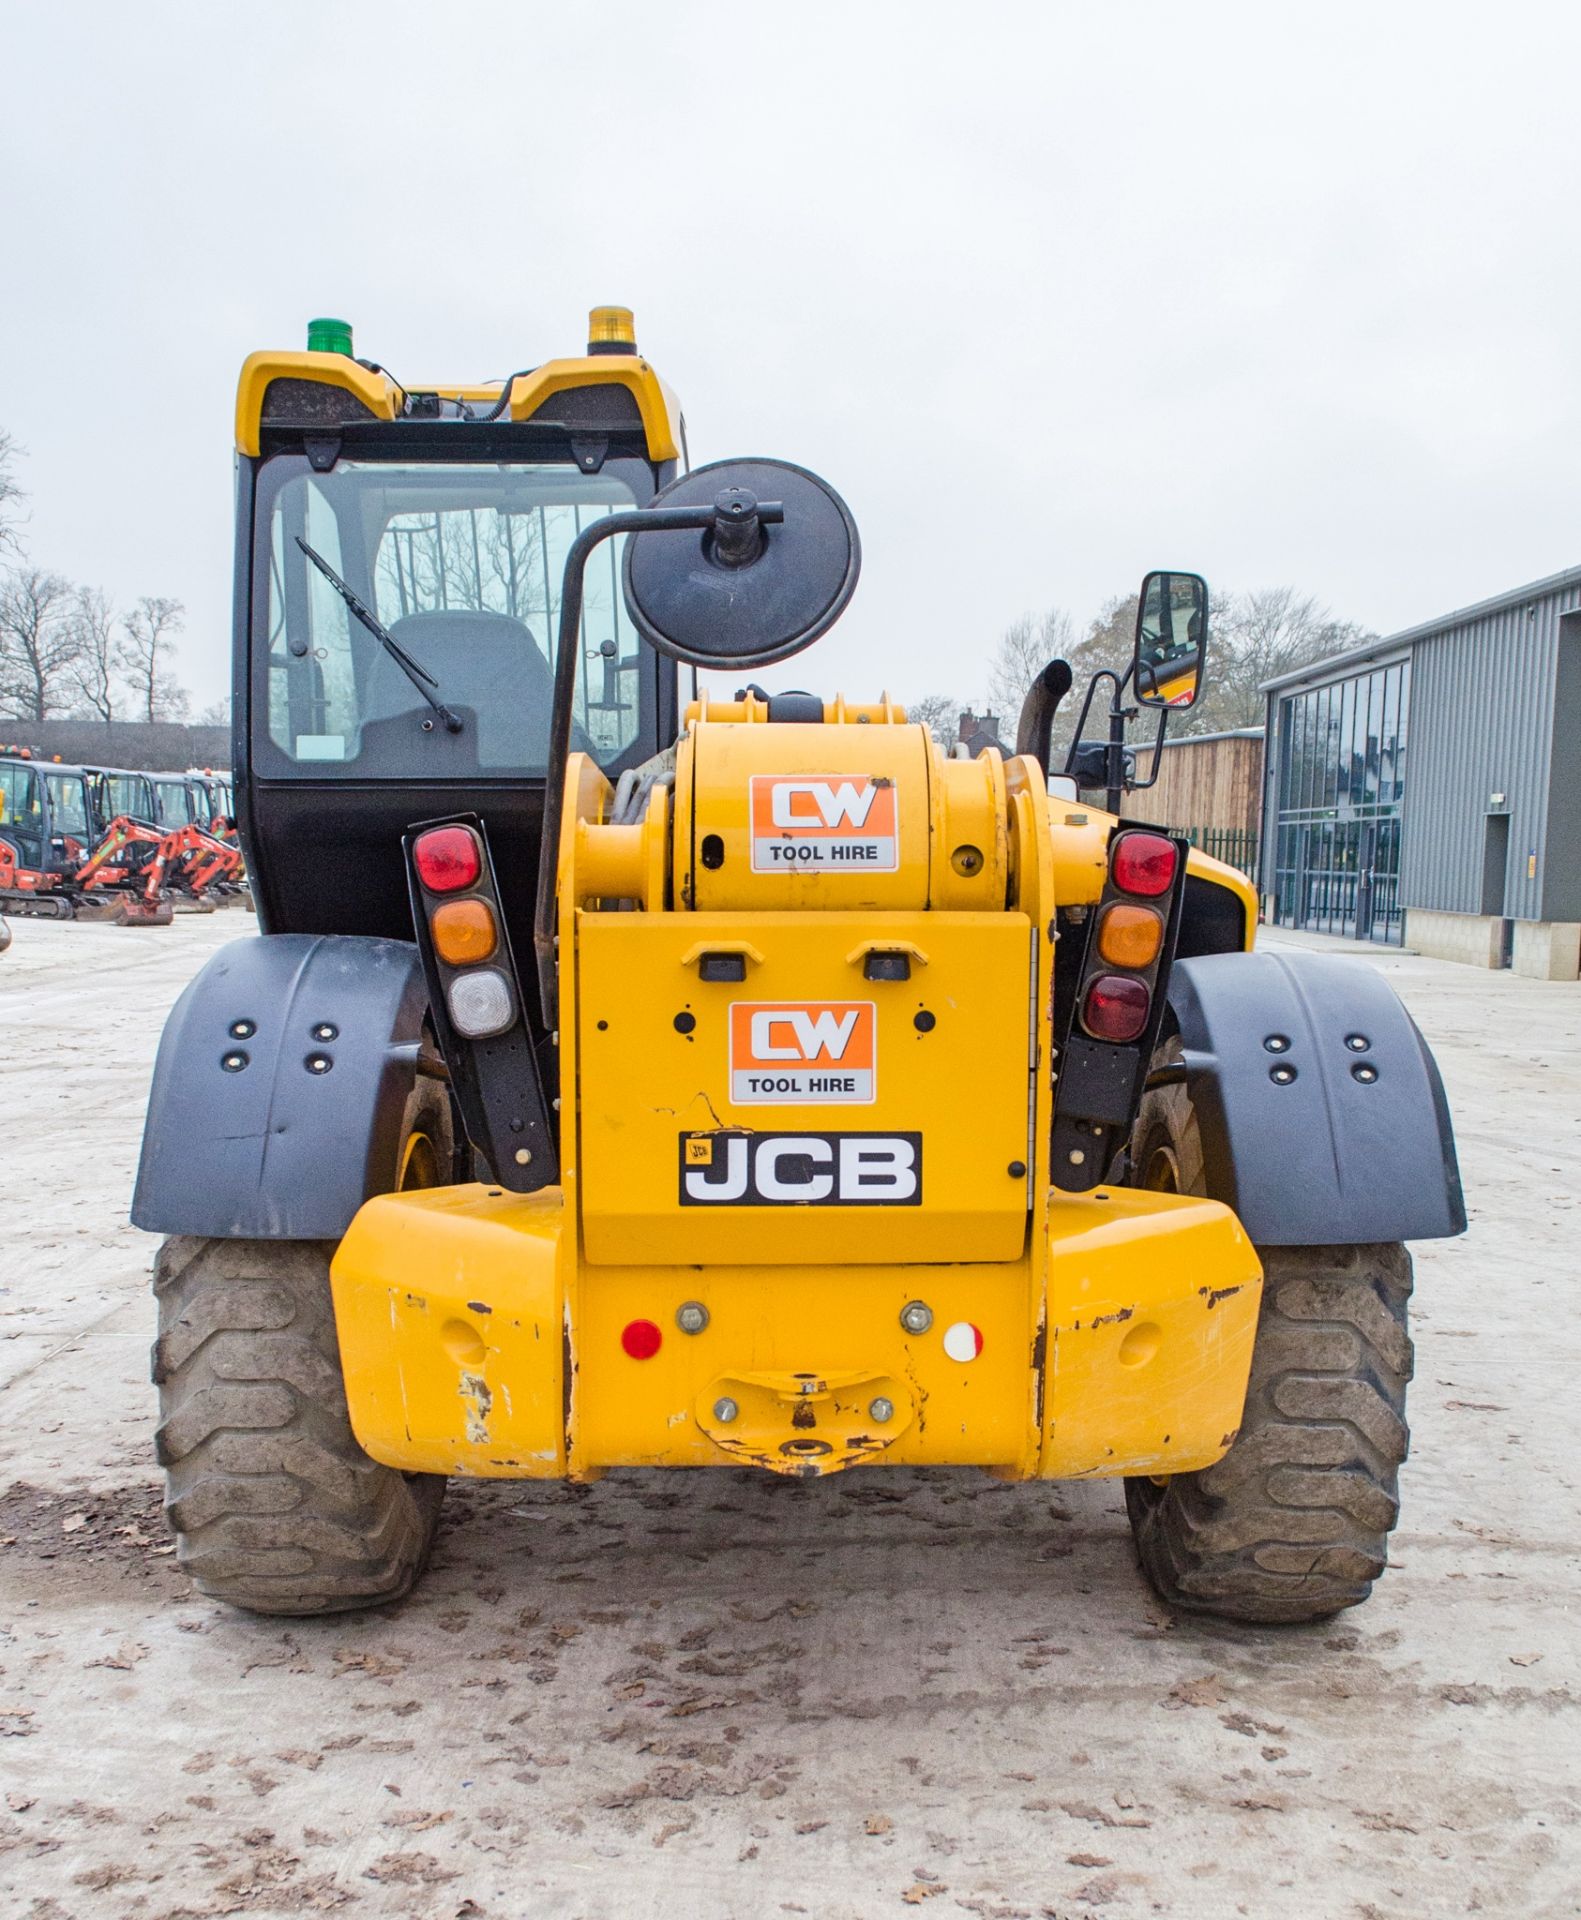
(1115, 1008)
(450, 858)
(1143, 863)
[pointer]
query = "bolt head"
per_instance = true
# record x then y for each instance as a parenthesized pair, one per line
(916, 1316)
(725, 1410)
(881, 1410)
(691, 1316)
(524, 1156)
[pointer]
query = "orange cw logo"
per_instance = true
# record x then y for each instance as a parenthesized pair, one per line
(824, 823)
(811, 1052)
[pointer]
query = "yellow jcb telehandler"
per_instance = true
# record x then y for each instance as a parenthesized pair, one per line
(631, 1077)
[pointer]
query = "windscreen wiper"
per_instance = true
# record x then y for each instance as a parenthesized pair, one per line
(424, 682)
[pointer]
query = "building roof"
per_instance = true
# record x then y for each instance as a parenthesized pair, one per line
(1462, 616)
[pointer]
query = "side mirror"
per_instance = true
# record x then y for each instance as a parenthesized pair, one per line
(1171, 640)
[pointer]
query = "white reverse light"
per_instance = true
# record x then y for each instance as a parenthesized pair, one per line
(481, 1003)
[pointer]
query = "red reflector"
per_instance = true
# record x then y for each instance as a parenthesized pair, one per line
(1143, 863)
(641, 1339)
(1115, 1008)
(448, 859)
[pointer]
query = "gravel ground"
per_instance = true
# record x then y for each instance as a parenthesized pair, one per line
(721, 1695)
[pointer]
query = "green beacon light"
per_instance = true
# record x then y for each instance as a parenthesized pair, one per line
(329, 336)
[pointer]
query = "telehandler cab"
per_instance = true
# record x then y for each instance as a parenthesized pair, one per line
(629, 1077)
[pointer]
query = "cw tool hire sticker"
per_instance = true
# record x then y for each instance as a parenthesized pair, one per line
(829, 823)
(807, 1051)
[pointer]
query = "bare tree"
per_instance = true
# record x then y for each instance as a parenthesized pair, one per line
(216, 714)
(938, 712)
(1255, 637)
(38, 644)
(94, 671)
(11, 494)
(145, 657)
(1025, 649)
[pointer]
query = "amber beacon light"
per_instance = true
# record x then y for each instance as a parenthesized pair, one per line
(611, 330)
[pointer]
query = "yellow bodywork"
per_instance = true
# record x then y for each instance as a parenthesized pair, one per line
(761, 1176)
(1123, 1347)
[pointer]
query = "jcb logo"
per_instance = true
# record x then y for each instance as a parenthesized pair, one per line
(802, 1051)
(801, 1169)
(824, 822)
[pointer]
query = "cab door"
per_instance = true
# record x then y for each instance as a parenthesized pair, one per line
(22, 814)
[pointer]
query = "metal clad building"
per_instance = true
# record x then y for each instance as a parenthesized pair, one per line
(1428, 786)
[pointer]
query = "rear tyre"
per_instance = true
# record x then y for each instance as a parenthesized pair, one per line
(1293, 1523)
(274, 1505)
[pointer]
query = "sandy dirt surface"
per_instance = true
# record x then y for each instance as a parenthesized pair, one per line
(721, 1695)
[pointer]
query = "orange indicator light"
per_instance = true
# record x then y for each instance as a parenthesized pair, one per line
(464, 932)
(1130, 936)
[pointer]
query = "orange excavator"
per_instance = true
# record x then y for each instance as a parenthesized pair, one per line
(75, 843)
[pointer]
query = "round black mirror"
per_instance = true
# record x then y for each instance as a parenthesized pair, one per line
(745, 591)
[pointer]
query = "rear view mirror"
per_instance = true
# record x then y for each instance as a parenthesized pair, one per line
(745, 591)
(1171, 640)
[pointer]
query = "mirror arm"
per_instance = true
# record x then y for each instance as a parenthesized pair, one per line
(700, 519)
(1103, 673)
(1114, 757)
(561, 713)
(1137, 786)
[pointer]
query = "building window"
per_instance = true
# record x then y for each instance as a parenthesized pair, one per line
(1340, 786)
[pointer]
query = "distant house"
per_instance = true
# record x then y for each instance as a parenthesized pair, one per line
(979, 730)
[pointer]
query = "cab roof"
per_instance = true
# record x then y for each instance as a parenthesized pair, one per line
(614, 390)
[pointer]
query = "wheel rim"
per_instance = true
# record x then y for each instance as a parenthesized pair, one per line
(1161, 1169)
(419, 1164)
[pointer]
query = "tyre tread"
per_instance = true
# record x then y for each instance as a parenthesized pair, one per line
(1293, 1523)
(274, 1505)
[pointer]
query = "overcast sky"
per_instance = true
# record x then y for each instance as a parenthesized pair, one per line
(1052, 293)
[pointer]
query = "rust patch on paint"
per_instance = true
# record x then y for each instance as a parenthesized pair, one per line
(474, 1390)
(1113, 1319)
(1213, 1295)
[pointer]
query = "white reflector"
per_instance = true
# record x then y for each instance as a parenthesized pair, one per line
(481, 1003)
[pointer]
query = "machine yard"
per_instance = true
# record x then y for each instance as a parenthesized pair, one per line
(669, 1693)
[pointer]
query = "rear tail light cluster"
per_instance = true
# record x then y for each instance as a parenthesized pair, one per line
(464, 927)
(484, 1028)
(1117, 1008)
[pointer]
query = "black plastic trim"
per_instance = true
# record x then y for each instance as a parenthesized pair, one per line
(276, 1149)
(1350, 1143)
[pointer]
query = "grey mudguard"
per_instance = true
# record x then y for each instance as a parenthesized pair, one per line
(272, 1149)
(1357, 1146)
